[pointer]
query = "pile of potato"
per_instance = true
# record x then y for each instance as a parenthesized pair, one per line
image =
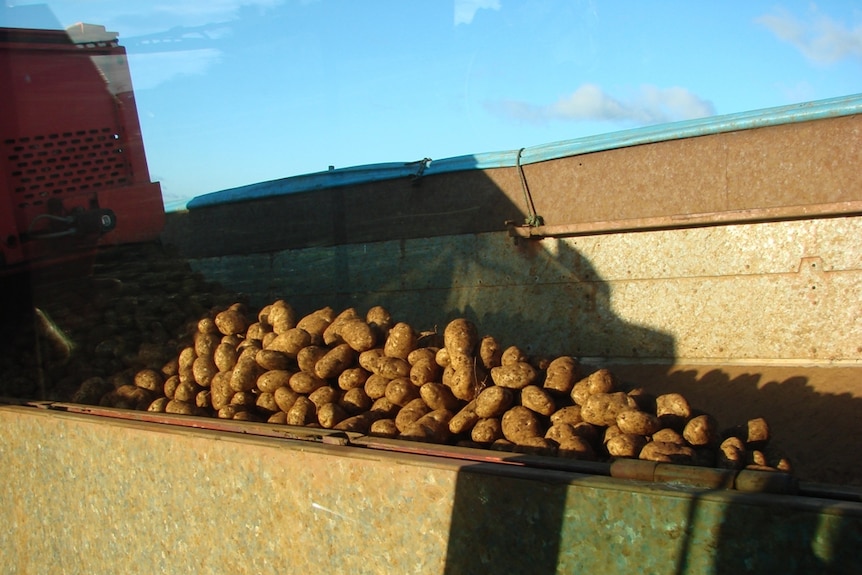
(372, 375)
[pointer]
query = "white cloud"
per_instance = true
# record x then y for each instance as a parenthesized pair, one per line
(650, 105)
(820, 39)
(465, 10)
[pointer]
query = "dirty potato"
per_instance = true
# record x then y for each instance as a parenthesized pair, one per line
(335, 361)
(438, 396)
(537, 399)
(600, 381)
(561, 375)
(516, 375)
(460, 335)
(520, 424)
(634, 421)
(493, 401)
(400, 341)
(603, 408)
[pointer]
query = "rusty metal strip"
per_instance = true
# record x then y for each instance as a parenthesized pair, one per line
(754, 215)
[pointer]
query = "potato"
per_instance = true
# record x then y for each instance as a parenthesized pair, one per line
(465, 419)
(203, 370)
(246, 415)
(423, 353)
(220, 390)
(305, 383)
(245, 398)
(561, 432)
(626, 445)
(393, 367)
(368, 360)
(302, 412)
(467, 382)
(257, 331)
(432, 427)
(330, 414)
(601, 381)
(438, 396)
(570, 414)
(424, 371)
(186, 358)
(225, 356)
(231, 322)
(490, 352)
(285, 397)
(335, 361)
(672, 410)
(400, 341)
(375, 386)
(180, 407)
(271, 380)
(290, 342)
(493, 401)
(409, 413)
(401, 391)
(667, 452)
(171, 385)
(668, 435)
(316, 323)
(460, 336)
(207, 325)
(576, 448)
(355, 401)
(634, 421)
(266, 403)
(537, 399)
(308, 357)
(332, 333)
(519, 424)
(229, 411)
(272, 359)
(382, 408)
(441, 358)
(516, 375)
(158, 405)
(561, 375)
(380, 321)
(279, 417)
(186, 391)
(384, 428)
(512, 355)
(487, 430)
(324, 395)
(611, 432)
(137, 397)
(352, 377)
(603, 408)
(205, 343)
(645, 401)
(588, 431)
(359, 335)
(731, 454)
(357, 423)
(754, 433)
(150, 379)
(536, 445)
(204, 399)
(281, 317)
(701, 431)
(244, 374)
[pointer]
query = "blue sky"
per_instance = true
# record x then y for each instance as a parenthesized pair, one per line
(232, 92)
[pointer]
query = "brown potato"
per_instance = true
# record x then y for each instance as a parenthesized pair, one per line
(246, 415)
(731, 454)
(355, 401)
(281, 317)
(316, 323)
(466, 382)
(490, 352)
(461, 336)
(231, 321)
(158, 405)
(204, 399)
(570, 414)
(422, 353)
(636, 422)
(516, 375)
(424, 371)
(203, 370)
(537, 399)
(225, 356)
(186, 391)
(380, 321)
(171, 385)
(512, 355)
(324, 395)
(441, 358)
(667, 452)
(561, 375)
(384, 428)
(257, 331)
(305, 383)
(359, 335)
(668, 435)
(432, 427)
(302, 412)
(330, 414)
(220, 390)
(290, 342)
(272, 359)
(150, 379)
(576, 447)
(335, 361)
(672, 410)
(279, 417)
(186, 358)
(400, 341)
(603, 408)
(438, 396)
(493, 401)
(271, 380)
(205, 343)
(393, 367)
(411, 412)
(465, 419)
(536, 445)
(519, 424)
(308, 357)
(245, 373)
(332, 333)
(487, 430)
(401, 391)
(352, 377)
(375, 386)
(601, 381)
(284, 397)
(180, 407)
(368, 360)
(356, 423)
(207, 325)
(245, 398)
(266, 403)
(626, 445)
(382, 408)
(229, 411)
(701, 431)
